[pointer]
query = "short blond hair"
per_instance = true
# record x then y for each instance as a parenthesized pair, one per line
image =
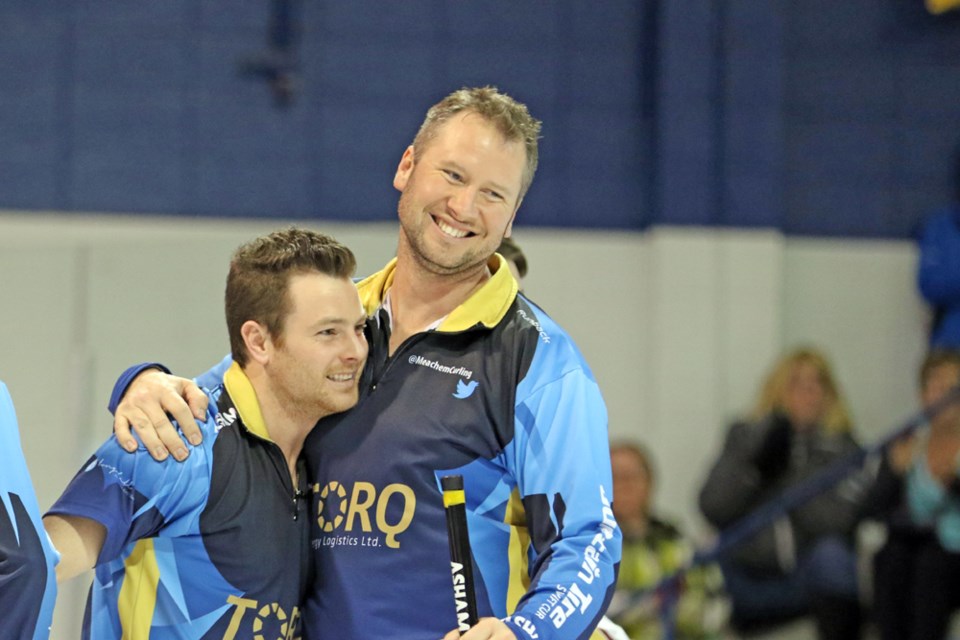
(511, 118)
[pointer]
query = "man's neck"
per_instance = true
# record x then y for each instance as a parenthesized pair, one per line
(287, 426)
(419, 298)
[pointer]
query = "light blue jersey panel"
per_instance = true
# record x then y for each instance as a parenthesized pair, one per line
(28, 584)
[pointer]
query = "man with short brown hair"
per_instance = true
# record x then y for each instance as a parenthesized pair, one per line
(219, 546)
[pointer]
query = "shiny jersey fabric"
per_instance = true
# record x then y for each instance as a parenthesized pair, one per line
(500, 394)
(28, 583)
(497, 393)
(214, 547)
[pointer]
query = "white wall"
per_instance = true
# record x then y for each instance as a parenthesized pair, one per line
(678, 325)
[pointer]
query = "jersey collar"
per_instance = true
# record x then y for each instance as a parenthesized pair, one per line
(486, 306)
(244, 399)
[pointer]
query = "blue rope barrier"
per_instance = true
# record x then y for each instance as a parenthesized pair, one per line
(670, 587)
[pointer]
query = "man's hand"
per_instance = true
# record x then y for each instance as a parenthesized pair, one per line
(486, 629)
(145, 407)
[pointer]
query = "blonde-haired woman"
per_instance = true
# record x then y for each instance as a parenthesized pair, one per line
(805, 562)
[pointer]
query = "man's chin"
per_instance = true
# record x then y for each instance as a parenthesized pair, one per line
(442, 264)
(349, 401)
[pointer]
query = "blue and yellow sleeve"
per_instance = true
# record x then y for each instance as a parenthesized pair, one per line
(133, 496)
(561, 460)
(209, 379)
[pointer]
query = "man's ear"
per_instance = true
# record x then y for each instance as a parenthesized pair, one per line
(257, 340)
(404, 169)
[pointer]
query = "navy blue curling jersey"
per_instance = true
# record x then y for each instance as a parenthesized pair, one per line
(214, 547)
(500, 394)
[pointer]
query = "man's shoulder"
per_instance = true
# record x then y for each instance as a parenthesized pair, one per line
(546, 355)
(221, 410)
(535, 327)
(533, 323)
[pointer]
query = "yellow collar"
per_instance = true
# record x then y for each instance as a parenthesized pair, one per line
(244, 399)
(487, 305)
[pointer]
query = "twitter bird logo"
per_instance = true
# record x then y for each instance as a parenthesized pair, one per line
(465, 389)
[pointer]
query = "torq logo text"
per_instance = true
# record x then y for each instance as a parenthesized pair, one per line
(356, 510)
(269, 616)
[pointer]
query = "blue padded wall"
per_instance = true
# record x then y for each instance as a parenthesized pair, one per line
(139, 107)
(815, 117)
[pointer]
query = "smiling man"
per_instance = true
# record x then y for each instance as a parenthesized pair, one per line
(219, 546)
(465, 376)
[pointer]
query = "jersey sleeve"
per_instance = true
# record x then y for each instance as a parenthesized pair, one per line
(28, 585)
(134, 496)
(212, 377)
(209, 379)
(562, 466)
(123, 382)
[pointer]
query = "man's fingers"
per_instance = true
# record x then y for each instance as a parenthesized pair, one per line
(152, 398)
(197, 401)
(176, 406)
(169, 439)
(128, 425)
(121, 428)
(147, 435)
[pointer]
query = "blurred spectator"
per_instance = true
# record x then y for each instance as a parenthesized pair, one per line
(652, 550)
(917, 495)
(805, 562)
(938, 273)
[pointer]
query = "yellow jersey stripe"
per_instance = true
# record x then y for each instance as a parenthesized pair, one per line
(138, 595)
(519, 577)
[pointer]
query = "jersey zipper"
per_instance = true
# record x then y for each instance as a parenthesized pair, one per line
(279, 461)
(280, 464)
(388, 363)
